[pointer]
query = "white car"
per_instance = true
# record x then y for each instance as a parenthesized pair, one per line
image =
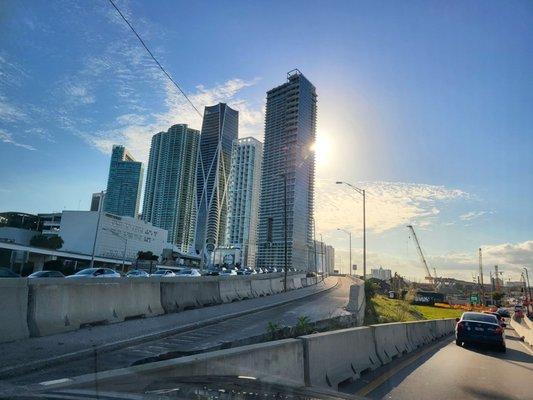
(137, 273)
(163, 273)
(95, 273)
(189, 272)
(228, 272)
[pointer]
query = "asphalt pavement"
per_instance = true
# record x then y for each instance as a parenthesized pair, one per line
(446, 371)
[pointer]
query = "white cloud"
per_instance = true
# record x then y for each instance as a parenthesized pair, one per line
(78, 93)
(135, 132)
(388, 205)
(469, 216)
(9, 112)
(6, 137)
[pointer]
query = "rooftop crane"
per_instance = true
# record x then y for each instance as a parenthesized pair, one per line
(430, 278)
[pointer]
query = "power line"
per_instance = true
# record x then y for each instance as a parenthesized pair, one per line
(155, 59)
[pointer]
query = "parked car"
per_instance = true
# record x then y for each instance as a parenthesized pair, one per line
(46, 274)
(504, 312)
(210, 272)
(163, 273)
(189, 272)
(7, 273)
(95, 273)
(227, 272)
(137, 273)
(479, 328)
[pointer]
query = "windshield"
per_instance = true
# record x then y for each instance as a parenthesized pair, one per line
(89, 271)
(345, 185)
(480, 317)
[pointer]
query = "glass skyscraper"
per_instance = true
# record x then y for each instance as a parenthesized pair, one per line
(288, 175)
(170, 184)
(220, 128)
(124, 184)
(244, 193)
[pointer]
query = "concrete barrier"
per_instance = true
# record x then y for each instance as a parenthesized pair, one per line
(523, 331)
(279, 362)
(178, 293)
(277, 285)
(391, 341)
(357, 302)
(261, 287)
(233, 288)
(60, 305)
(334, 357)
(528, 322)
(444, 327)
(420, 333)
(13, 309)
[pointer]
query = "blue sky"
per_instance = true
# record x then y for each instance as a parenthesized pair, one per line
(425, 104)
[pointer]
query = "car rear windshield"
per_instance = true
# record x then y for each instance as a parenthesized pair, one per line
(480, 317)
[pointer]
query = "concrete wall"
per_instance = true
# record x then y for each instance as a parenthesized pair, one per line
(60, 305)
(13, 309)
(523, 331)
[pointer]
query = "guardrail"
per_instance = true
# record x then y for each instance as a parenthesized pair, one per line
(45, 306)
(322, 359)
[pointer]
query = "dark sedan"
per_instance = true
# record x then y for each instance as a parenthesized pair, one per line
(479, 328)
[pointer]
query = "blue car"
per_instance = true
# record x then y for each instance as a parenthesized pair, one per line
(479, 328)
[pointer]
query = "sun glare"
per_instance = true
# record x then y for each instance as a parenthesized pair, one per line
(322, 148)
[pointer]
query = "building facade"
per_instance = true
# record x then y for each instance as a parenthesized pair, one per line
(288, 174)
(381, 273)
(244, 195)
(220, 128)
(169, 196)
(124, 184)
(117, 236)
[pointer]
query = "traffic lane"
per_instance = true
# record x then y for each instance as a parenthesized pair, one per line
(453, 372)
(319, 306)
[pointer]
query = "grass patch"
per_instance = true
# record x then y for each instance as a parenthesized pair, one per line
(430, 312)
(381, 309)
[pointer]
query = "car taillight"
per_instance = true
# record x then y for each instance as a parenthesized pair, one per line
(498, 331)
(460, 325)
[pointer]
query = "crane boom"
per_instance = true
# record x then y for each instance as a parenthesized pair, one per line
(421, 254)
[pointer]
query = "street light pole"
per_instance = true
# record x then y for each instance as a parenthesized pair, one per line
(528, 285)
(363, 193)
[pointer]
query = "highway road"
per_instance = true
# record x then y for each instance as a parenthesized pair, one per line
(317, 307)
(446, 371)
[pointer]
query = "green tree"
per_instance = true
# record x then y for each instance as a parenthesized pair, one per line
(497, 296)
(48, 242)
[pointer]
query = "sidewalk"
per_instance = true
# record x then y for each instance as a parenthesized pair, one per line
(33, 353)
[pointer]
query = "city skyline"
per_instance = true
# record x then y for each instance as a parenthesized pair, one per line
(436, 126)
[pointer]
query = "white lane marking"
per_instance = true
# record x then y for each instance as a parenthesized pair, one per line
(62, 380)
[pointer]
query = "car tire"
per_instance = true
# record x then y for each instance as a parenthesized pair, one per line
(458, 342)
(502, 349)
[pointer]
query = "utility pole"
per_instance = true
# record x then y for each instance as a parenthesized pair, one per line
(482, 287)
(102, 200)
(528, 285)
(496, 277)
(322, 251)
(314, 244)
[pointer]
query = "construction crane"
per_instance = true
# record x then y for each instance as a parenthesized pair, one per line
(430, 278)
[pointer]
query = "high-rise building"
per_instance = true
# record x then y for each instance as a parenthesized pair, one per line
(243, 205)
(287, 182)
(124, 184)
(220, 128)
(97, 201)
(170, 184)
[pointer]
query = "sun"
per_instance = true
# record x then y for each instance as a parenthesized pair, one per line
(322, 149)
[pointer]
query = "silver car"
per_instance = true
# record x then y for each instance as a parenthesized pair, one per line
(163, 273)
(95, 273)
